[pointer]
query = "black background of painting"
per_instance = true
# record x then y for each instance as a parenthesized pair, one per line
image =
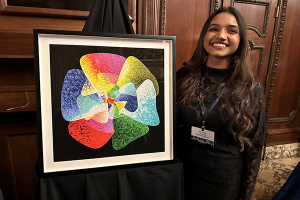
(66, 57)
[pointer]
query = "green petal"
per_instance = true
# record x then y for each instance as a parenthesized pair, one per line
(126, 131)
(112, 91)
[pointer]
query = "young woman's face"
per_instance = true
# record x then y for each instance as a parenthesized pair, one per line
(222, 37)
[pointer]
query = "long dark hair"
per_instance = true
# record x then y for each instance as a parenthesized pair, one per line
(237, 98)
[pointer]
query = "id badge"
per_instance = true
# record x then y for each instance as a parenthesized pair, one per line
(205, 137)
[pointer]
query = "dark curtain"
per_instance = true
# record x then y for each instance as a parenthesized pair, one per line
(109, 16)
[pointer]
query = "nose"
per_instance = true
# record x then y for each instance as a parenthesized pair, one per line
(222, 34)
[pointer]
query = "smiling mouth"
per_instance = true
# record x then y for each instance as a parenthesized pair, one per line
(219, 45)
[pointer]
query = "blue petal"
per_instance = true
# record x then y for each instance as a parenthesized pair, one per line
(71, 89)
(146, 112)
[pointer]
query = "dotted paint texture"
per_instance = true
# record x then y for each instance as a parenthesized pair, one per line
(111, 97)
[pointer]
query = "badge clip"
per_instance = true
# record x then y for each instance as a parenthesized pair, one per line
(203, 125)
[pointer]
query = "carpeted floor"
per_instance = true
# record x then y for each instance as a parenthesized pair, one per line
(275, 170)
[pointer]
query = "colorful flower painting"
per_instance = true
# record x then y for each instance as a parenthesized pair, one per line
(112, 97)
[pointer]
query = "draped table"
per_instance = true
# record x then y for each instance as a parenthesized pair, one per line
(159, 182)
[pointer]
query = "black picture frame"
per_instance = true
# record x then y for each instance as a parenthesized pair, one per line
(61, 150)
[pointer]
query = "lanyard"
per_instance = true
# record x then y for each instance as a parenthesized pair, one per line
(214, 104)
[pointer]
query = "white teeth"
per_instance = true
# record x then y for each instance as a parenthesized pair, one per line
(219, 45)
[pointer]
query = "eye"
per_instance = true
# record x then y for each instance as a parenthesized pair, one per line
(213, 29)
(232, 31)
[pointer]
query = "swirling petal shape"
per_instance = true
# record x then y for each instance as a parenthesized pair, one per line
(146, 111)
(101, 117)
(87, 103)
(71, 89)
(128, 94)
(126, 131)
(88, 136)
(111, 97)
(107, 127)
(102, 69)
(87, 89)
(136, 72)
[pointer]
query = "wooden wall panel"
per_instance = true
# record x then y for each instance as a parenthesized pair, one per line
(259, 16)
(185, 19)
(256, 59)
(284, 92)
(276, 40)
(19, 153)
(26, 10)
(16, 33)
(149, 14)
(283, 136)
(17, 101)
(23, 151)
(283, 104)
(16, 78)
(253, 14)
(16, 44)
(286, 95)
(18, 138)
(16, 72)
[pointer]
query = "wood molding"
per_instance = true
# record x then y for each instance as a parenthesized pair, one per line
(284, 131)
(266, 3)
(261, 54)
(16, 44)
(274, 63)
(253, 28)
(215, 5)
(150, 20)
(49, 12)
(291, 116)
(17, 99)
(25, 88)
(157, 18)
(163, 17)
(282, 136)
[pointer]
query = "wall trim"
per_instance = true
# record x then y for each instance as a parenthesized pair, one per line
(261, 54)
(275, 63)
(266, 3)
(291, 116)
(163, 17)
(284, 131)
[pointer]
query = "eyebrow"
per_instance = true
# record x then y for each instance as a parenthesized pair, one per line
(234, 26)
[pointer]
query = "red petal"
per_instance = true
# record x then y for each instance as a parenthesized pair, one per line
(88, 136)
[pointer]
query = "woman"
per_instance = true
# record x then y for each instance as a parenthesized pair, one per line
(220, 113)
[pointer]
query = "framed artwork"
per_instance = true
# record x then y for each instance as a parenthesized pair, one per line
(104, 100)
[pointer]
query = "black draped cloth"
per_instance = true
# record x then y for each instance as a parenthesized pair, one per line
(159, 182)
(221, 172)
(108, 16)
